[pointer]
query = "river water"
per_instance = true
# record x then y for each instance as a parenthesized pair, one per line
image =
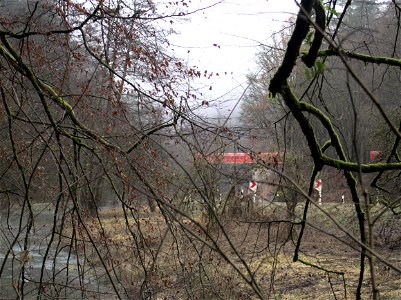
(60, 272)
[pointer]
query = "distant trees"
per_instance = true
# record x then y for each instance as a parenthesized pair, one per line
(96, 111)
(86, 90)
(86, 76)
(341, 103)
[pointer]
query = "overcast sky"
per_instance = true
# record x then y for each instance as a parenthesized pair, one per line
(225, 38)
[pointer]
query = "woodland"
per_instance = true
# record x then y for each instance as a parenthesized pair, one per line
(112, 180)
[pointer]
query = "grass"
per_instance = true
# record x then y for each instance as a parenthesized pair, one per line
(166, 255)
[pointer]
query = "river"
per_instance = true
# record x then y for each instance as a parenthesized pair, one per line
(59, 271)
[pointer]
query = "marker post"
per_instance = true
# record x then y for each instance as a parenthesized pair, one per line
(318, 187)
(253, 187)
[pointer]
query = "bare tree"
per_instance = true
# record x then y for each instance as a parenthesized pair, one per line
(313, 112)
(105, 160)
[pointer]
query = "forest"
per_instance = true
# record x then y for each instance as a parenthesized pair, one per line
(114, 184)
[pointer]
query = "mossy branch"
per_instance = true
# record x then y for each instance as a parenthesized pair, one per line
(342, 163)
(294, 44)
(359, 56)
(43, 89)
(326, 145)
(295, 106)
(334, 139)
(320, 26)
(321, 160)
(355, 167)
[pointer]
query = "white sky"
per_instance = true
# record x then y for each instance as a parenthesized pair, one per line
(238, 27)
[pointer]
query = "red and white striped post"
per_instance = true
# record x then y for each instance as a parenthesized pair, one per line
(318, 187)
(253, 186)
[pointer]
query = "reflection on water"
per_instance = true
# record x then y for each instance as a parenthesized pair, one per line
(62, 274)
